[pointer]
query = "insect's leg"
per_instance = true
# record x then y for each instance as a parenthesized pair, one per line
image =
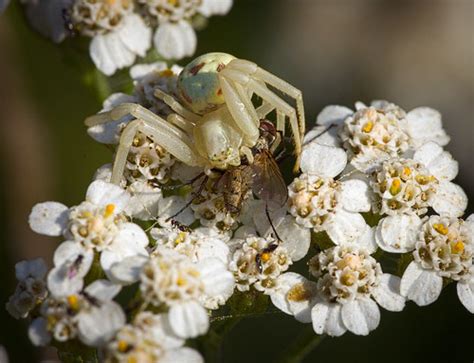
(193, 198)
(321, 133)
(182, 123)
(271, 224)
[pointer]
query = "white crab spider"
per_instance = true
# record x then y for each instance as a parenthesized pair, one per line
(216, 122)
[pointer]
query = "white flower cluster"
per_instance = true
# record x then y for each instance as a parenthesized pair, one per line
(122, 30)
(386, 166)
(166, 241)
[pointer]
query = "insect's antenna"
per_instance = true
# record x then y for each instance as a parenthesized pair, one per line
(193, 198)
(189, 182)
(271, 223)
(321, 133)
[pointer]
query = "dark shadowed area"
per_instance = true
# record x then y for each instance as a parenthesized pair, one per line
(413, 53)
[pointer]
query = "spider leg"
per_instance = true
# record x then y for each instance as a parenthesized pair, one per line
(176, 106)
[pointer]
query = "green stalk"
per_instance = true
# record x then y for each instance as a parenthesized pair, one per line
(301, 346)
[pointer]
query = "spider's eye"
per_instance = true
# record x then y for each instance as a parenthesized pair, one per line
(198, 83)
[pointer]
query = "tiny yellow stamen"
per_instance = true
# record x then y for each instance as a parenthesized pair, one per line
(406, 171)
(109, 210)
(440, 228)
(73, 302)
(181, 281)
(424, 179)
(368, 127)
(180, 239)
(457, 247)
(122, 346)
(166, 73)
(132, 360)
(299, 293)
(110, 2)
(396, 187)
(348, 279)
(265, 256)
(173, 2)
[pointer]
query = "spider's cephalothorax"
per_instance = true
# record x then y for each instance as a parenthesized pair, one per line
(215, 122)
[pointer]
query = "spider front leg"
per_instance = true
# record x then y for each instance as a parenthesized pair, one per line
(240, 74)
(168, 136)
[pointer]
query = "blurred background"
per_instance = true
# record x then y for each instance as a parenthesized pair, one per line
(413, 53)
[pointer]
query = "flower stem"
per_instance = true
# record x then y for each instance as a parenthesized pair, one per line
(301, 346)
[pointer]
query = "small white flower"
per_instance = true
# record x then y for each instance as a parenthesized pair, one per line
(444, 249)
(406, 188)
(31, 288)
(197, 244)
(320, 202)
(119, 35)
(149, 339)
(258, 262)
(77, 315)
(175, 37)
(97, 224)
(172, 280)
(349, 280)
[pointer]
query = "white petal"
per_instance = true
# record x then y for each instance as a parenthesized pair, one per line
(421, 286)
(321, 160)
(449, 199)
(215, 7)
(260, 218)
(361, 316)
(35, 268)
(38, 332)
(169, 206)
(103, 290)
(465, 291)
(99, 324)
(399, 233)
(424, 124)
(327, 319)
(139, 71)
(188, 320)
(175, 40)
(70, 251)
(62, 283)
(144, 203)
(295, 295)
(109, 53)
(323, 135)
(387, 294)
(296, 239)
(49, 218)
(128, 270)
(355, 196)
(102, 193)
(367, 240)
(333, 115)
(440, 163)
(135, 34)
(181, 355)
(218, 281)
(345, 227)
(213, 248)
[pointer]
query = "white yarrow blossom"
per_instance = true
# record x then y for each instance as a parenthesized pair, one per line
(172, 280)
(118, 34)
(406, 188)
(348, 282)
(444, 250)
(148, 339)
(175, 37)
(320, 202)
(381, 131)
(66, 315)
(97, 224)
(31, 289)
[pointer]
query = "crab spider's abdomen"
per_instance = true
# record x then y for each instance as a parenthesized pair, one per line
(198, 82)
(218, 140)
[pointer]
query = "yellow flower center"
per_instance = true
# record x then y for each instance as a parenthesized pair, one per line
(396, 187)
(299, 293)
(166, 73)
(109, 210)
(180, 239)
(457, 247)
(73, 302)
(368, 127)
(440, 228)
(122, 346)
(265, 256)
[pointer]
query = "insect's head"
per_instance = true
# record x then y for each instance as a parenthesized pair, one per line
(198, 83)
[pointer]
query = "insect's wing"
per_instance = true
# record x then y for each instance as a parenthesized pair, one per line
(268, 183)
